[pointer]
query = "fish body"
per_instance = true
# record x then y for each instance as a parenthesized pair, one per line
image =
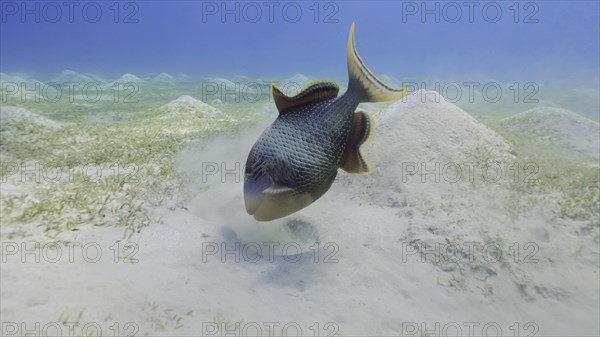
(296, 159)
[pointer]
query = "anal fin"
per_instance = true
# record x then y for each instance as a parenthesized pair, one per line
(362, 129)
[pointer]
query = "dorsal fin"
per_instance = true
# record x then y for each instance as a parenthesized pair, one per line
(316, 91)
(361, 132)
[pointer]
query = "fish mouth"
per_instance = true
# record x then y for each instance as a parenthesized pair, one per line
(266, 207)
(273, 202)
(252, 201)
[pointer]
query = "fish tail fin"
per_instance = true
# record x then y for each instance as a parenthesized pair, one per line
(362, 81)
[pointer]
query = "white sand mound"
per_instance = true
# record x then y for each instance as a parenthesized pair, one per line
(559, 127)
(244, 88)
(432, 160)
(241, 79)
(8, 78)
(424, 126)
(298, 79)
(11, 115)
(73, 76)
(130, 78)
(95, 77)
(421, 132)
(29, 84)
(17, 125)
(224, 84)
(189, 106)
(127, 78)
(163, 79)
(125, 83)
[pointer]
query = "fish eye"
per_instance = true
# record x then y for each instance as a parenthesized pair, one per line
(249, 170)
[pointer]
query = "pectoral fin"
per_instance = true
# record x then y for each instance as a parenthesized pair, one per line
(362, 129)
(316, 91)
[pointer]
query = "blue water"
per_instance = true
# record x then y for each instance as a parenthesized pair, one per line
(550, 40)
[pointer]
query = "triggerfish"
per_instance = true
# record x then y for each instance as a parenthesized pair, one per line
(296, 159)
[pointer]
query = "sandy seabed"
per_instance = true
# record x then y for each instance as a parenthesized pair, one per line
(408, 250)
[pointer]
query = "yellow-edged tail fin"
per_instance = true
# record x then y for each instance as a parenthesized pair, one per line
(363, 82)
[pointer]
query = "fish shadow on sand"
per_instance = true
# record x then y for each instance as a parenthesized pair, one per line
(294, 262)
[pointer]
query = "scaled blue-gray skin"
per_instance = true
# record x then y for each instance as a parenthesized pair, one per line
(295, 160)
